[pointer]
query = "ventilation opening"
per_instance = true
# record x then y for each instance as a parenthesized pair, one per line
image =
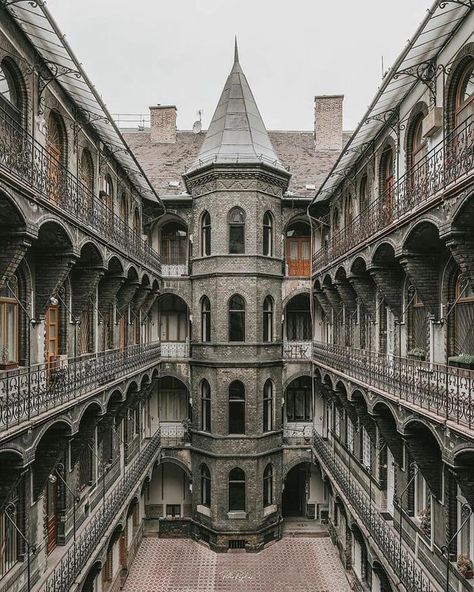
(237, 544)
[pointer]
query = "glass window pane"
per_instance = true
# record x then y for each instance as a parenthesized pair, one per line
(236, 239)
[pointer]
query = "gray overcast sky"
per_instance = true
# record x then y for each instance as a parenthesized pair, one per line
(143, 52)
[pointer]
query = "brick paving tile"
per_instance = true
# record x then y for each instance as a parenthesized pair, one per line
(291, 565)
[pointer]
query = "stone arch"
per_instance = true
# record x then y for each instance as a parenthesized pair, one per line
(388, 276)
(176, 461)
(117, 394)
(301, 459)
(294, 293)
(387, 423)
(419, 110)
(88, 584)
(462, 58)
(95, 405)
(14, 71)
(91, 252)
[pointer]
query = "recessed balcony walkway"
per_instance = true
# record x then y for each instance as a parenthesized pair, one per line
(290, 565)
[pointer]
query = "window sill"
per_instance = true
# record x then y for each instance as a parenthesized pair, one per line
(203, 510)
(237, 515)
(267, 510)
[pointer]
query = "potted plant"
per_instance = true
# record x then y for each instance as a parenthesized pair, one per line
(465, 566)
(425, 521)
(462, 361)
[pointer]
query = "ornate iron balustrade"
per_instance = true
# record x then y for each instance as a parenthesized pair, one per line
(88, 543)
(297, 350)
(173, 434)
(174, 349)
(29, 391)
(384, 535)
(26, 160)
(168, 270)
(445, 164)
(442, 390)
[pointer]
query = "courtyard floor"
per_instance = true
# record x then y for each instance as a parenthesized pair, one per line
(290, 565)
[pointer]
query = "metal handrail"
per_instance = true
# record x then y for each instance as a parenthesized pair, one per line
(445, 391)
(88, 543)
(25, 159)
(383, 534)
(29, 391)
(444, 164)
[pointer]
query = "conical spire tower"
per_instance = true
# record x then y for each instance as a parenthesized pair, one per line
(237, 133)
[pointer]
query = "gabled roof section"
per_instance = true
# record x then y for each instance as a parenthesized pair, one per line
(415, 63)
(237, 133)
(43, 33)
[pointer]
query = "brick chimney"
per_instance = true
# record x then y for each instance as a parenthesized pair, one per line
(163, 124)
(328, 122)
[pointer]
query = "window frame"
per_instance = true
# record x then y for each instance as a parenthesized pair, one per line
(268, 239)
(233, 226)
(268, 406)
(205, 405)
(206, 495)
(237, 479)
(206, 234)
(8, 304)
(268, 319)
(236, 424)
(205, 319)
(232, 312)
(268, 486)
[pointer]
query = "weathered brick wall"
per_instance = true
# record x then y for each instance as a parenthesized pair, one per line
(163, 124)
(328, 122)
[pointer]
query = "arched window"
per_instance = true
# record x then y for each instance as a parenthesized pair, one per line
(9, 325)
(107, 195)
(205, 486)
(11, 96)
(268, 319)
(268, 486)
(205, 319)
(348, 212)
(123, 210)
(417, 149)
(268, 234)
(137, 226)
(205, 406)
(268, 406)
(206, 234)
(363, 195)
(464, 94)
(463, 342)
(386, 183)
(236, 318)
(236, 231)
(237, 490)
(56, 148)
(298, 400)
(87, 170)
(418, 326)
(173, 244)
(236, 408)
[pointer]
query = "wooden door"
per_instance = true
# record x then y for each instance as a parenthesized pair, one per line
(52, 336)
(298, 258)
(52, 515)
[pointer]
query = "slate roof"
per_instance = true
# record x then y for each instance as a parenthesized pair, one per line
(165, 163)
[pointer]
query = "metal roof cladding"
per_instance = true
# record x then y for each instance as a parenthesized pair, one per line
(415, 63)
(44, 34)
(237, 133)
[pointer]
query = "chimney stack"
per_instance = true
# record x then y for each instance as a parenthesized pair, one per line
(328, 122)
(163, 124)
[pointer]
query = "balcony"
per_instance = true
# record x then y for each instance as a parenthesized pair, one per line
(175, 349)
(168, 270)
(26, 161)
(175, 434)
(444, 391)
(297, 350)
(449, 162)
(89, 541)
(29, 392)
(383, 535)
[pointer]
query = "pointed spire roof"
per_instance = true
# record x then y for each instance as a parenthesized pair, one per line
(237, 133)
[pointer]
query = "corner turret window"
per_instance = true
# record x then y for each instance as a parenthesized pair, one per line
(236, 231)
(205, 234)
(237, 490)
(236, 318)
(236, 408)
(268, 406)
(268, 486)
(268, 234)
(205, 319)
(205, 406)
(268, 319)
(205, 486)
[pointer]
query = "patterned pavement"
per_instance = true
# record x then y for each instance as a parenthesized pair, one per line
(291, 565)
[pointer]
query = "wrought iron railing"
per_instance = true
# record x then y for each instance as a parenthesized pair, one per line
(445, 391)
(25, 159)
(174, 349)
(30, 391)
(175, 270)
(445, 164)
(297, 350)
(88, 543)
(173, 434)
(383, 534)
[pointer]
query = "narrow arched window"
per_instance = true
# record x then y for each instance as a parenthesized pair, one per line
(236, 408)
(87, 170)
(205, 486)
(206, 234)
(268, 406)
(205, 319)
(387, 183)
(237, 490)
(464, 94)
(9, 323)
(463, 342)
(56, 148)
(417, 144)
(236, 318)
(236, 231)
(137, 226)
(268, 234)
(205, 406)
(268, 486)
(268, 319)
(363, 196)
(11, 95)
(123, 211)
